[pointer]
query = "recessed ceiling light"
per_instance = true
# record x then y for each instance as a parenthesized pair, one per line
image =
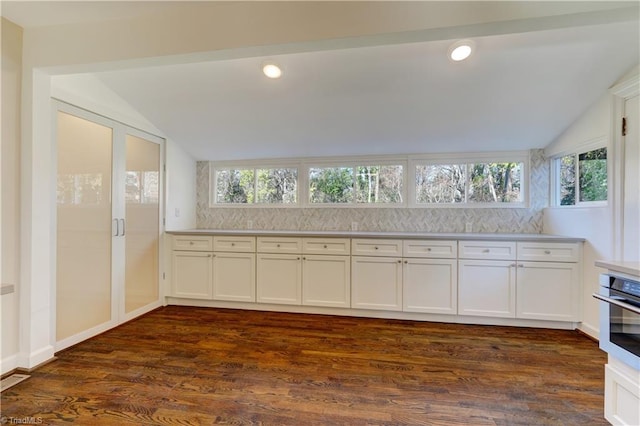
(272, 71)
(461, 50)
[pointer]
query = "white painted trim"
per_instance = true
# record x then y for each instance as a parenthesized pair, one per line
(411, 316)
(590, 330)
(619, 94)
(408, 162)
(8, 364)
(35, 358)
(84, 335)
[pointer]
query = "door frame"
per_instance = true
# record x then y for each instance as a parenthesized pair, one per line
(620, 93)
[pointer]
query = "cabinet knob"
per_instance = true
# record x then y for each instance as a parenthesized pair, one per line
(298, 258)
(376, 247)
(547, 252)
(233, 244)
(513, 265)
(399, 261)
(209, 255)
(428, 248)
(325, 246)
(486, 251)
(406, 261)
(190, 243)
(278, 245)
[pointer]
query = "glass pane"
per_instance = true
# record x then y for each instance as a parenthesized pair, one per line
(331, 185)
(494, 182)
(567, 180)
(235, 186)
(142, 230)
(440, 183)
(277, 186)
(379, 184)
(592, 167)
(83, 270)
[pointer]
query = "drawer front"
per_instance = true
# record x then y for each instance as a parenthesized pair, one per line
(373, 247)
(335, 246)
(430, 249)
(192, 243)
(234, 244)
(495, 250)
(548, 252)
(279, 245)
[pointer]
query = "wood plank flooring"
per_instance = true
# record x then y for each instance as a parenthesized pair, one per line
(199, 366)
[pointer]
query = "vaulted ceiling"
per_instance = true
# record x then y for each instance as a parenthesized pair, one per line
(520, 89)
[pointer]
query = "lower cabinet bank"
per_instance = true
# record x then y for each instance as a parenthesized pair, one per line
(531, 283)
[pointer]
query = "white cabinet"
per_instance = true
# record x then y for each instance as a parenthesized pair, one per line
(487, 288)
(192, 270)
(318, 273)
(199, 272)
(279, 270)
(430, 276)
(279, 279)
(532, 280)
(430, 285)
(326, 281)
(547, 291)
(376, 283)
(621, 393)
(234, 268)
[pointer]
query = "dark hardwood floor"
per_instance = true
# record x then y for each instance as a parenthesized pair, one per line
(198, 366)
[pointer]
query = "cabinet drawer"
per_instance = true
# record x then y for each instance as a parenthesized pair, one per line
(337, 246)
(234, 244)
(279, 245)
(192, 243)
(431, 249)
(372, 247)
(548, 252)
(495, 250)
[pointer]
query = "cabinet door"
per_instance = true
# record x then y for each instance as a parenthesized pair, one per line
(192, 274)
(376, 283)
(487, 288)
(234, 277)
(548, 291)
(326, 281)
(430, 285)
(279, 279)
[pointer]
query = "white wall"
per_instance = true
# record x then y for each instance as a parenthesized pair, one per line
(594, 224)
(181, 188)
(10, 269)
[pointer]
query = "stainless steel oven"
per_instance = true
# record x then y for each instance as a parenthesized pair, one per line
(620, 318)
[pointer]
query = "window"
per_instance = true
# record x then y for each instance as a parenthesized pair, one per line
(470, 183)
(256, 186)
(370, 184)
(581, 178)
(438, 180)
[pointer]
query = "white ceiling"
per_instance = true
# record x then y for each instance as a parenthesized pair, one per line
(518, 91)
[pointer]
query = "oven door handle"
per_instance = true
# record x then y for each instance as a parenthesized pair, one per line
(623, 305)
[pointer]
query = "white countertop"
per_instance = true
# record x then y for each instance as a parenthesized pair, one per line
(403, 235)
(623, 267)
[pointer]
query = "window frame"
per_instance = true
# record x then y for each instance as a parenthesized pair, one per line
(554, 167)
(408, 163)
(254, 165)
(466, 159)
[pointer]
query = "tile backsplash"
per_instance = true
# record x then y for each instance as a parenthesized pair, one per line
(507, 220)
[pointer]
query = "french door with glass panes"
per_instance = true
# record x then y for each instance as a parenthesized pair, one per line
(108, 220)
